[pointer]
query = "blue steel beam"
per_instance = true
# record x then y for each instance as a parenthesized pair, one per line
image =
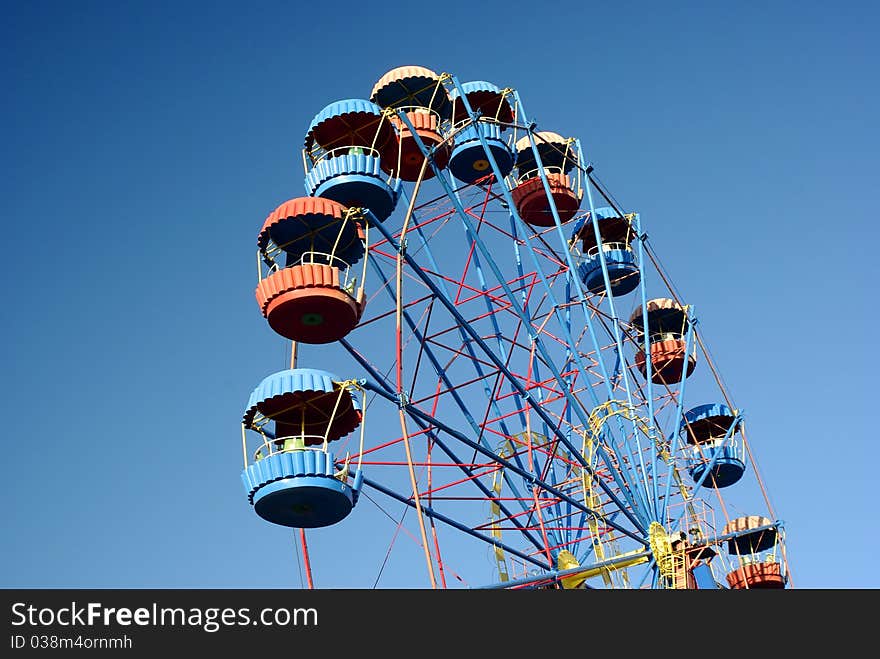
(414, 411)
(572, 276)
(430, 512)
(496, 360)
(630, 511)
(642, 288)
(678, 408)
(381, 380)
(433, 262)
(618, 341)
(440, 371)
(649, 396)
(465, 342)
(511, 207)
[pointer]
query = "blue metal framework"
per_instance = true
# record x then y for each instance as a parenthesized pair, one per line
(505, 405)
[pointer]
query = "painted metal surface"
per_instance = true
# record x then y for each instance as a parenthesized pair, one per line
(723, 469)
(304, 401)
(350, 122)
(312, 224)
(407, 72)
(553, 149)
(544, 136)
(354, 180)
(668, 359)
(613, 228)
(664, 315)
(623, 272)
(469, 162)
(536, 208)
(757, 576)
(755, 535)
(300, 489)
(484, 97)
(290, 464)
(307, 303)
(405, 155)
(706, 421)
(512, 339)
(412, 85)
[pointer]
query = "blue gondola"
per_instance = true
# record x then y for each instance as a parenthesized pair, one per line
(343, 155)
(294, 479)
(714, 455)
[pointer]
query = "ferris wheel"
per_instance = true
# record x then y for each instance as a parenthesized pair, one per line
(515, 374)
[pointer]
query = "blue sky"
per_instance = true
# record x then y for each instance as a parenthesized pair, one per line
(146, 142)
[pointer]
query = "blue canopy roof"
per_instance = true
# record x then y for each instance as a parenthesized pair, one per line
(475, 86)
(706, 411)
(290, 381)
(602, 213)
(347, 106)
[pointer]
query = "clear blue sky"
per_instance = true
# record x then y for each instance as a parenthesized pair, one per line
(145, 142)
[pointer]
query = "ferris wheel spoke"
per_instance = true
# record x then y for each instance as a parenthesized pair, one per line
(467, 345)
(623, 467)
(636, 508)
(412, 411)
(494, 320)
(389, 390)
(643, 300)
(430, 512)
(433, 359)
(637, 502)
(648, 398)
(678, 415)
(651, 502)
(630, 493)
(515, 215)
